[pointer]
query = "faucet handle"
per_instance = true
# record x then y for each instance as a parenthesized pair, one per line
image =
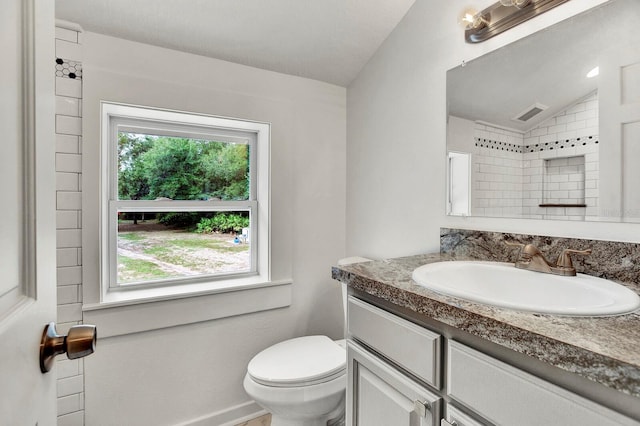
(564, 260)
(519, 245)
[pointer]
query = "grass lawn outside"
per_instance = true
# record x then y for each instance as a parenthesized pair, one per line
(151, 251)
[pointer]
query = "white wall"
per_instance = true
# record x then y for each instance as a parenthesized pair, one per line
(396, 133)
(182, 373)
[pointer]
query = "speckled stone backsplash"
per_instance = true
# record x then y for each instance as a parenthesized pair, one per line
(609, 259)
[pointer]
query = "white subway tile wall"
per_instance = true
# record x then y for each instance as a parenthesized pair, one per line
(68, 125)
(508, 167)
(66, 35)
(68, 71)
(68, 87)
(496, 172)
(563, 180)
(571, 134)
(68, 163)
(69, 50)
(73, 419)
(67, 144)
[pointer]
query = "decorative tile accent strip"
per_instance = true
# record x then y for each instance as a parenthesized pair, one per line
(68, 69)
(562, 144)
(498, 145)
(609, 259)
(546, 146)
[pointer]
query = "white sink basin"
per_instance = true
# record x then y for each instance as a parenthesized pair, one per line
(504, 285)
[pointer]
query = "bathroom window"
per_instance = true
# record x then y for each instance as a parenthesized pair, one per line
(185, 198)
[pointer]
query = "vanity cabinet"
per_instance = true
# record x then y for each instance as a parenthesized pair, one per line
(379, 395)
(396, 378)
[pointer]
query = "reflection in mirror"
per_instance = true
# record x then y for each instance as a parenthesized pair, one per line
(551, 123)
(459, 187)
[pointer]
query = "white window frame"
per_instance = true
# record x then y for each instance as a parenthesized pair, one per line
(121, 117)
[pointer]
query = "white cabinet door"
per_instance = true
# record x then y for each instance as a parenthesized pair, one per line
(379, 395)
(27, 217)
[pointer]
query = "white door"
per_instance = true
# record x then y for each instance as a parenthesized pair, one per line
(27, 212)
(619, 105)
(459, 179)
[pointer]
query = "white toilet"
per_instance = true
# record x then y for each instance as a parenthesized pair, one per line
(301, 381)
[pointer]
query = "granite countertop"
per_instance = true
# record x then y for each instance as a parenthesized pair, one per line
(605, 350)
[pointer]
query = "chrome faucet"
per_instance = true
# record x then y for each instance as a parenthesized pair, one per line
(531, 258)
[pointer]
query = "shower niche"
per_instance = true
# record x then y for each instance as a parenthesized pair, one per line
(563, 182)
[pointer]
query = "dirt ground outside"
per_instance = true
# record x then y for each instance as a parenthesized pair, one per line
(152, 251)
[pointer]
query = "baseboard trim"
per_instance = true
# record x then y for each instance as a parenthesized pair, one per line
(228, 417)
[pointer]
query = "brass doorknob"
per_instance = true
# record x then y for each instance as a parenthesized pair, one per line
(80, 342)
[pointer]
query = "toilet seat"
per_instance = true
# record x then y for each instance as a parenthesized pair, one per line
(303, 361)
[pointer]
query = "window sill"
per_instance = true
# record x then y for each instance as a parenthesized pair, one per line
(139, 310)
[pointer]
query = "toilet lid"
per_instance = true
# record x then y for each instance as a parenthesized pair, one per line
(302, 361)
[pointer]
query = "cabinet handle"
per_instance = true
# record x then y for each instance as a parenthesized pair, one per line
(421, 407)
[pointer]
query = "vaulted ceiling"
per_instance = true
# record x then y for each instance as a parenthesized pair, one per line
(326, 40)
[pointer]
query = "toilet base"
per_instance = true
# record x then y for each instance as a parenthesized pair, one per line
(321, 404)
(335, 418)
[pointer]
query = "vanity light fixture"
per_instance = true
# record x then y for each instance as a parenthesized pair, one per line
(501, 16)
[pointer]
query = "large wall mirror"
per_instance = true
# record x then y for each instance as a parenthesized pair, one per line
(548, 127)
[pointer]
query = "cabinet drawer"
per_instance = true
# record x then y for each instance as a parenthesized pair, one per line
(506, 395)
(414, 348)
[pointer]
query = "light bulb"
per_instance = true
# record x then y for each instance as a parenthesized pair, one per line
(520, 3)
(466, 18)
(517, 3)
(470, 18)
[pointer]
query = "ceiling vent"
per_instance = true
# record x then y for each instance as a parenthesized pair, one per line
(530, 112)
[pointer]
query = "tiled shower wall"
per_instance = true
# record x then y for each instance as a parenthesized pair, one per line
(513, 173)
(496, 172)
(571, 135)
(68, 69)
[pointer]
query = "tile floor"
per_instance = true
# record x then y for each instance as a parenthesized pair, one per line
(259, 421)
